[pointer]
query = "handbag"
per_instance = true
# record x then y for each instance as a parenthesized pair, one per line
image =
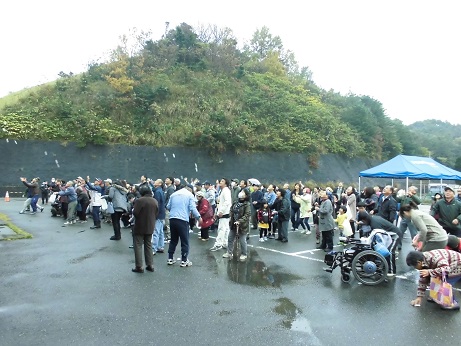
(441, 291)
(110, 208)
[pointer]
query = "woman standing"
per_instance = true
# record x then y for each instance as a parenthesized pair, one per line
(117, 195)
(431, 235)
(295, 207)
(305, 202)
(240, 214)
(206, 212)
(326, 222)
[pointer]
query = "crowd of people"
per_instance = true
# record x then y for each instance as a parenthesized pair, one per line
(165, 212)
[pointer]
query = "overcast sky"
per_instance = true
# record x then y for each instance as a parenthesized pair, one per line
(403, 53)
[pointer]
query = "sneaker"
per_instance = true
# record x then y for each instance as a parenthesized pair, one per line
(32, 213)
(390, 274)
(243, 257)
(303, 232)
(68, 223)
(317, 241)
(41, 209)
(261, 240)
(265, 238)
(74, 221)
(21, 212)
(216, 248)
(271, 236)
(308, 232)
(167, 241)
(185, 263)
(170, 261)
(227, 255)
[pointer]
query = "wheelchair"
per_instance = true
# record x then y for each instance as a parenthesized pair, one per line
(368, 266)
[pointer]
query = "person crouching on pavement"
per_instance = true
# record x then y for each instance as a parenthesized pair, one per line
(240, 214)
(453, 243)
(431, 264)
(145, 212)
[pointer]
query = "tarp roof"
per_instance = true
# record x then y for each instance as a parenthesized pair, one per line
(415, 167)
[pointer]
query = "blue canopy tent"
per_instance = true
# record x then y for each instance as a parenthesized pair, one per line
(415, 167)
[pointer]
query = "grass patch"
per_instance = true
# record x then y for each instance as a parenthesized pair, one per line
(20, 233)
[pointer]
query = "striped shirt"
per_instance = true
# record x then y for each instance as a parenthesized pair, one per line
(437, 261)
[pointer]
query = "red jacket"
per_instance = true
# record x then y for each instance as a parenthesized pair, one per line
(206, 212)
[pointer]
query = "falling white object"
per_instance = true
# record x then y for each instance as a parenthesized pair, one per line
(164, 154)
(57, 163)
(7, 140)
(195, 165)
(46, 153)
(196, 169)
(15, 142)
(166, 159)
(174, 156)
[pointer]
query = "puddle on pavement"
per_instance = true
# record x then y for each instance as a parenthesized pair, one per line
(254, 272)
(293, 319)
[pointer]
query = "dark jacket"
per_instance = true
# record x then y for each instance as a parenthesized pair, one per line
(294, 205)
(285, 210)
(145, 212)
(447, 212)
(159, 195)
(386, 208)
(32, 189)
(257, 196)
(377, 222)
(241, 212)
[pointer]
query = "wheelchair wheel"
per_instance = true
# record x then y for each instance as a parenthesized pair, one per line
(369, 267)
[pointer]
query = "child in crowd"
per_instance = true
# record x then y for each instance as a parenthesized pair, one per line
(342, 216)
(264, 215)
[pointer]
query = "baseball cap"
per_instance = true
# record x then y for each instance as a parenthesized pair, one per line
(449, 188)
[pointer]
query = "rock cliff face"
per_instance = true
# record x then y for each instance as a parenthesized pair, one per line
(52, 159)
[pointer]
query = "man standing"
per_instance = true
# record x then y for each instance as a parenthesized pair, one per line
(168, 192)
(72, 202)
(449, 211)
(326, 222)
(96, 192)
(284, 213)
(339, 190)
(387, 206)
(223, 214)
(458, 196)
(145, 212)
(180, 205)
(235, 189)
(158, 239)
(33, 191)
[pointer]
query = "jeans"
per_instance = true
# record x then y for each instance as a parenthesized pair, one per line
(33, 203)
(404, 224)
(283, 229)
(295, 220)
(179, 230)
(158, 238)
(305, 222)
(95, 212)
(242, 240)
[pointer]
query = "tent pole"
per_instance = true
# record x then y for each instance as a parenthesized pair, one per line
(420, 188)
(441, 182)
(407, 184)
(359, 186)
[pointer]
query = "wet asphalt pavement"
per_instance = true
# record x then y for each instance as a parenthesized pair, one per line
(73, 286)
